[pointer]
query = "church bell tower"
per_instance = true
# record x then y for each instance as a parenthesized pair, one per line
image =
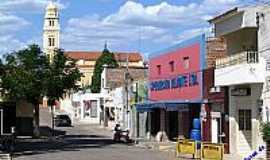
(51, 30)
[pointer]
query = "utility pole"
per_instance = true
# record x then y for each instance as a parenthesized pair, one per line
(126, 77)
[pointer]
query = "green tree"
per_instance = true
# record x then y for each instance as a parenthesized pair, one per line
(107, 58)
(61, 78)
(28, 75)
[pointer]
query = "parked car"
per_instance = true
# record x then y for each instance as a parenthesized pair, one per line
(62, 120)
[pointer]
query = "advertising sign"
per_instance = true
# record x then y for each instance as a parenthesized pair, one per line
(185, 146)
(212, 151)
(176, 72)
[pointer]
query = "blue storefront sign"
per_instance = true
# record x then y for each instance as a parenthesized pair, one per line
(187, 80)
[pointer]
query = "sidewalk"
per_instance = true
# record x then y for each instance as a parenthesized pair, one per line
(171, 147)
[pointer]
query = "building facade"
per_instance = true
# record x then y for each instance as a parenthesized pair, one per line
(116, 88)
(175, 89)
(86, 107)
(86, 62)
(244, 73)
(181, 89)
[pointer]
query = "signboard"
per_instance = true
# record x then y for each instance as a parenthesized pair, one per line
(185, 146)
(213, 151)
(170, 78)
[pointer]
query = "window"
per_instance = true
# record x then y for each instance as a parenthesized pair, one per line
(268, 64)
(159, 69)
(244, 119)
(51, 22)
(172, 66)
(186, 62)
(51, 41)
(102, 83)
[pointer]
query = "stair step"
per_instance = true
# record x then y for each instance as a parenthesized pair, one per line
(5, 157)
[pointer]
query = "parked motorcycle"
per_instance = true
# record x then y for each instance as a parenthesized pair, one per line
(120, 135)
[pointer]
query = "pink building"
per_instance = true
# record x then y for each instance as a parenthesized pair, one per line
(176, 89)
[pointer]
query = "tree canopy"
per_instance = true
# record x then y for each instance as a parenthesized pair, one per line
(23, 73)
(29, 75)
(61, 78)
(107, 58)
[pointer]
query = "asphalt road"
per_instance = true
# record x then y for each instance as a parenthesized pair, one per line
(83, 142)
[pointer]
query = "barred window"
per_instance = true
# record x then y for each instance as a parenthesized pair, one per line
(244, 119)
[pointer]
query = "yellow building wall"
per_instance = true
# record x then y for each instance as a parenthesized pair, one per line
(87, 67)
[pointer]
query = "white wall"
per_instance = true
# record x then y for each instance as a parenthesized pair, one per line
(229, 25)
(237, 138)
(246, 17)
(264, 50)
(117, 96)
(239, 74)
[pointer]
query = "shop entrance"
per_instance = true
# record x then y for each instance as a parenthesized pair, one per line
(155, 121)
(172, 131)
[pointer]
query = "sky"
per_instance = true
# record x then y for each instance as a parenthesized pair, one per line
(142, 26)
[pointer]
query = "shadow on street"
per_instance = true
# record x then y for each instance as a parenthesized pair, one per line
(61, 143)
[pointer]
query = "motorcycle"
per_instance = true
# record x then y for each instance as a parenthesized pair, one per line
(119, 134)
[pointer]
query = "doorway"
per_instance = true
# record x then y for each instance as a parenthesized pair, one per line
(172, 125)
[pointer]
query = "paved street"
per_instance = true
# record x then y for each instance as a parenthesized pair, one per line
(84, 142)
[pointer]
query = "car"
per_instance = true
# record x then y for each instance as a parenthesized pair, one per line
(62, 120)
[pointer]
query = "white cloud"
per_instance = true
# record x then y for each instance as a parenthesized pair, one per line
(187, 34)
(9, 43)
(167, 15)
(27, 6)
(11, 23)
(158, 24)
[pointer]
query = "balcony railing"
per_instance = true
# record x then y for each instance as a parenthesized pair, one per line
(245, 57)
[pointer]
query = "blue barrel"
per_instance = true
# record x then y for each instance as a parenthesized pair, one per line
(196, 123)
(195, 134)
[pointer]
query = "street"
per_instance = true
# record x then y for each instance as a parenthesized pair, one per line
(83, 142)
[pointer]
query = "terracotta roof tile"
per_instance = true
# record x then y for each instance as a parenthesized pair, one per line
(90, 55)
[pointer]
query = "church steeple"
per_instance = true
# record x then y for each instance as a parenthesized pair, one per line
(105, 47)
(51, 30)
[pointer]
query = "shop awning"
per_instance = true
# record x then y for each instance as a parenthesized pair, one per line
(169, 106)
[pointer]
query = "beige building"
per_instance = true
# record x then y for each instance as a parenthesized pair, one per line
(86, 62)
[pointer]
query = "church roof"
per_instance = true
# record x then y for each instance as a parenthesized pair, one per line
(91, 55)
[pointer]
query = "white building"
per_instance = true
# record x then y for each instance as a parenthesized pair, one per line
(51, 30)
(244, 72)
(87, 107)
(116, 90)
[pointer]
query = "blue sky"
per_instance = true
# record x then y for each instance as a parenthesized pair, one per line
(127, 25)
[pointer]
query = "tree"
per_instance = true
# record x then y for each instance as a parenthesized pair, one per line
(61, 78)
(106, 58)
(265, 129)
(28, 75)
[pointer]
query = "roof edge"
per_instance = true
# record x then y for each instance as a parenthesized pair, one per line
(225, 14)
